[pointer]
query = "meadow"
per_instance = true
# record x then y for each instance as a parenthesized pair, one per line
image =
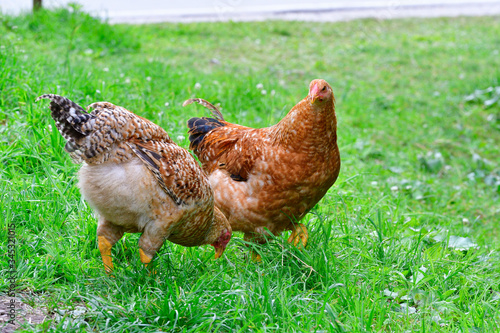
(406, 240)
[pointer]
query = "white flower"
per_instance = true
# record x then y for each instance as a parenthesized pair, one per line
(106, 69)
(394, 188)
(127, 80)
(122, 75)
(197, 85)
(148, 78)
(263, 92)
(97, 91)
(390, 294)
(181, 138)
(273, 92)
(259, 86)
(167, 104)
(405, 308)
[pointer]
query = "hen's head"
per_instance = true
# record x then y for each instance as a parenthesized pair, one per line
(320, 93)
(225, 233)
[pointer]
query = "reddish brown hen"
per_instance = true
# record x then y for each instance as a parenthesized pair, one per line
(269, 178)
(138, 180)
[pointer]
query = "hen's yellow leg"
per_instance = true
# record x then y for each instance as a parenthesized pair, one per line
(105, 249)
(299, 233)
(107, 236)
(145, 259)
(150, 242)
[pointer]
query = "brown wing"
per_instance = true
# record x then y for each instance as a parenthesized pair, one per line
(175, 170)
(222, 145)
(233, 148)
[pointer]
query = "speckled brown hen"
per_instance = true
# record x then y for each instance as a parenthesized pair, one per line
(138, 180)
(271, 177)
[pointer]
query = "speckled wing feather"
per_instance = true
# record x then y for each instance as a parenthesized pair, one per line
(175, 170)
(100, 136)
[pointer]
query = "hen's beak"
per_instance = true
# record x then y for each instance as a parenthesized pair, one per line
(313, 94)
(218, 252)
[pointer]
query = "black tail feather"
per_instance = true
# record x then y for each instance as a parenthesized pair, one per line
(69, 118)
(199, 127)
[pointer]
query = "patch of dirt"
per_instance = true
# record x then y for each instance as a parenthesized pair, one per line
(24, 314)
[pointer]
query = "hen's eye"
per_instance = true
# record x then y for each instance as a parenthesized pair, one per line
(324, 88)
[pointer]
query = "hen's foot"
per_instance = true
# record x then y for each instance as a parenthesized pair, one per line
(146, 260)
(299, 233)
(255, 256)
(105, 249)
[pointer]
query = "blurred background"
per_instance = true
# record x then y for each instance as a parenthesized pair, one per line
(148, 11)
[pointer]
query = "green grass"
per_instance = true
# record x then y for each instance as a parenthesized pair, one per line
(420, 168)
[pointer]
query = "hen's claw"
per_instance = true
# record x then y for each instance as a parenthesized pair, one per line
(299, 234)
